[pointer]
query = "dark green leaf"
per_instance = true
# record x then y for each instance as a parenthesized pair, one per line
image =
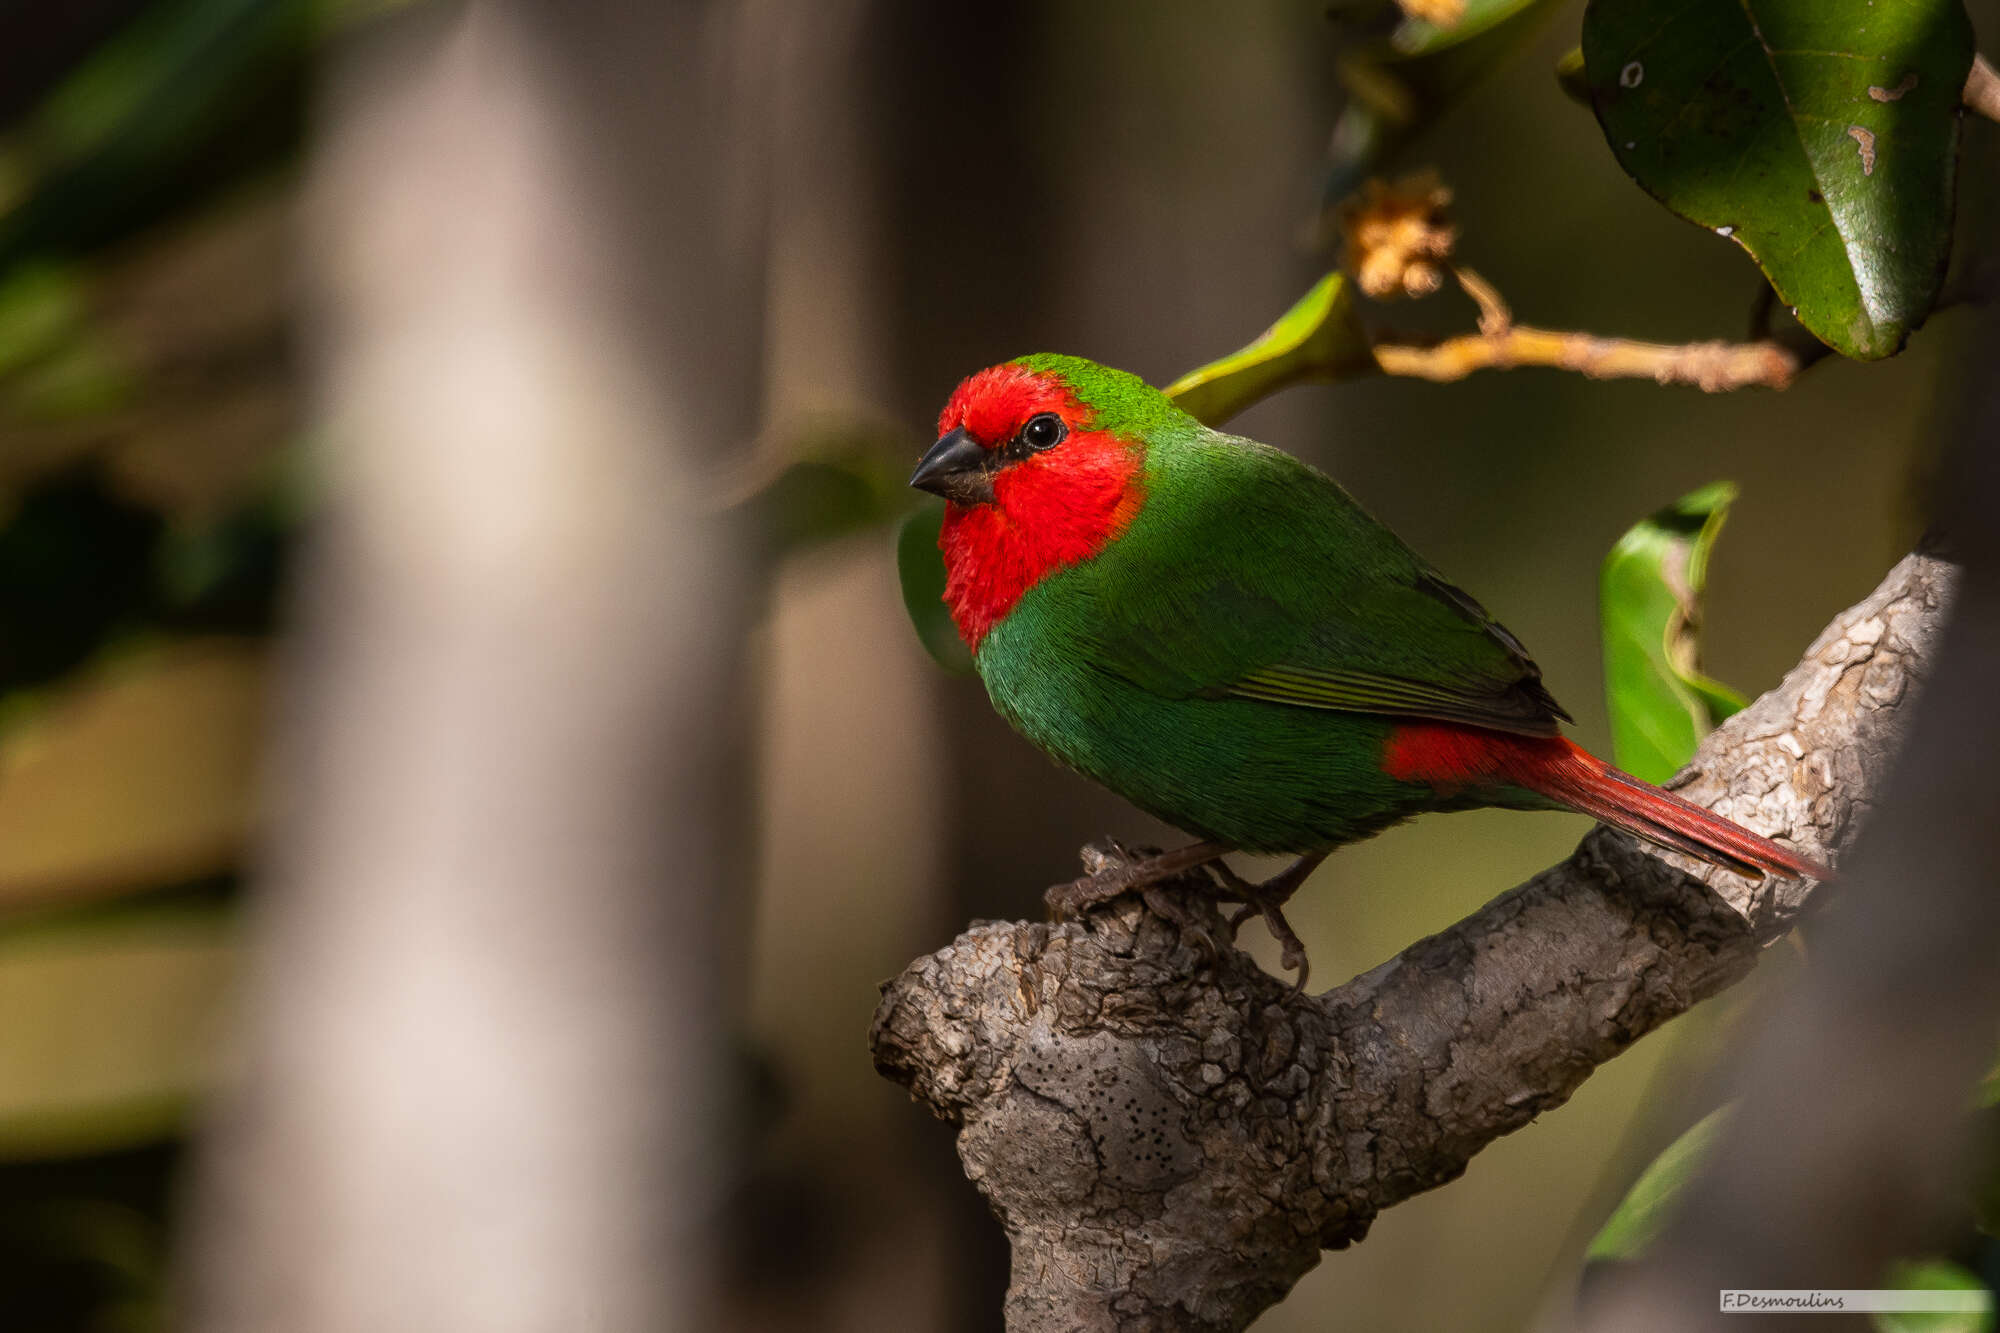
(190, 96)
(1649, 1204)
(1819, 135)
(921, 568)
(812, 503)
(846, 476)
(1318, 338)
(1649, 607)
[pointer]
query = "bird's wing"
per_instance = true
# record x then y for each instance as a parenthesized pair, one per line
(1248, 574)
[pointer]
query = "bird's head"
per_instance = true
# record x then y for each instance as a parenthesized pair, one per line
(1042, 461)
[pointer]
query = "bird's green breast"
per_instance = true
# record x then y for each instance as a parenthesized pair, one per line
(1257, 775)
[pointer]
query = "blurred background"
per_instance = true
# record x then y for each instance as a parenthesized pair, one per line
(936, 188)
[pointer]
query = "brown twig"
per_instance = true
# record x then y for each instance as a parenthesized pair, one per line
(1713, 367)
(1170, 1137)
(1501, 344)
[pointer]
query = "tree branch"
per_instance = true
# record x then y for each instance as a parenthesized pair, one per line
(1170, 1138)
(1501, 344)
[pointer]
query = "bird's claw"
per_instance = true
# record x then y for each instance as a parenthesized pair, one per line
(1267, 901)
(1165, 906)
(1114, 874)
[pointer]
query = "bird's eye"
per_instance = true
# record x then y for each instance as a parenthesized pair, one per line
(1044, 431)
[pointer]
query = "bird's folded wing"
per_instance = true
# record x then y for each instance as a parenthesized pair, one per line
(1523, 707)
(1270, 583)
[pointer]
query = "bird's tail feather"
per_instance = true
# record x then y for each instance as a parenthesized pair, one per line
(1572, 776)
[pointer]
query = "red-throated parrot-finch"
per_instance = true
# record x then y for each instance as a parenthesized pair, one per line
(1217, 632)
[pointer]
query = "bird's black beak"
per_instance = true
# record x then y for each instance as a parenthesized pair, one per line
(956, 468)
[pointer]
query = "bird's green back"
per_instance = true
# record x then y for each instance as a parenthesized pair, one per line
(1247, 573)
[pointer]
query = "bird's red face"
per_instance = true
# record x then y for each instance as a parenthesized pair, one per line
(1031, 488)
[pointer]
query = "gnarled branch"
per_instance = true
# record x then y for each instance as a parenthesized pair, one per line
(1170, 1138)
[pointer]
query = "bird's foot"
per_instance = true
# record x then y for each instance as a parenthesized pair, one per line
(1267, 899)
(1167, 907)
(1112, 876)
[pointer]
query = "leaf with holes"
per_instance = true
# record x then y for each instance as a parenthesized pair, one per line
(1819, 135)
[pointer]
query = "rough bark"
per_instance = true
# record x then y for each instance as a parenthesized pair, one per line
(1170, 1136)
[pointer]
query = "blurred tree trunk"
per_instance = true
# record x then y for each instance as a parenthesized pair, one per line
(482, 1080)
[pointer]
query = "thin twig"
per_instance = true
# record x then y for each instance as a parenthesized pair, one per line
(1714, 367)
(1501, 344)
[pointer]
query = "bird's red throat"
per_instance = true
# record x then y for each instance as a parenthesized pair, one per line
(1049, 510)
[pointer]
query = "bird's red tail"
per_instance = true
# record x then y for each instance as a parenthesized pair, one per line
(1572, 776)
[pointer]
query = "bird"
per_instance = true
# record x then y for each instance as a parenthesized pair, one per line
(1219, 633)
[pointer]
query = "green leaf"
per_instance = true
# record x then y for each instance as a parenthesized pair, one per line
(1648, 1205)
(1986, 1163)
(1320, 337)
(187, 96)
(920, 566)
(109, 1028)
(1819, 135)
(1649, 600)
(1932, 1275)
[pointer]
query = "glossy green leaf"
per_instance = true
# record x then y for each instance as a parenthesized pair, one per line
(109, 1028)
(1648, 1205)
(1819, 135)
(1320, 337)
(920, 566)
(1932, 1275)
(1649, 608)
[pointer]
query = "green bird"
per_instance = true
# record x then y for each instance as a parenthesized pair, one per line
(1218, 632)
